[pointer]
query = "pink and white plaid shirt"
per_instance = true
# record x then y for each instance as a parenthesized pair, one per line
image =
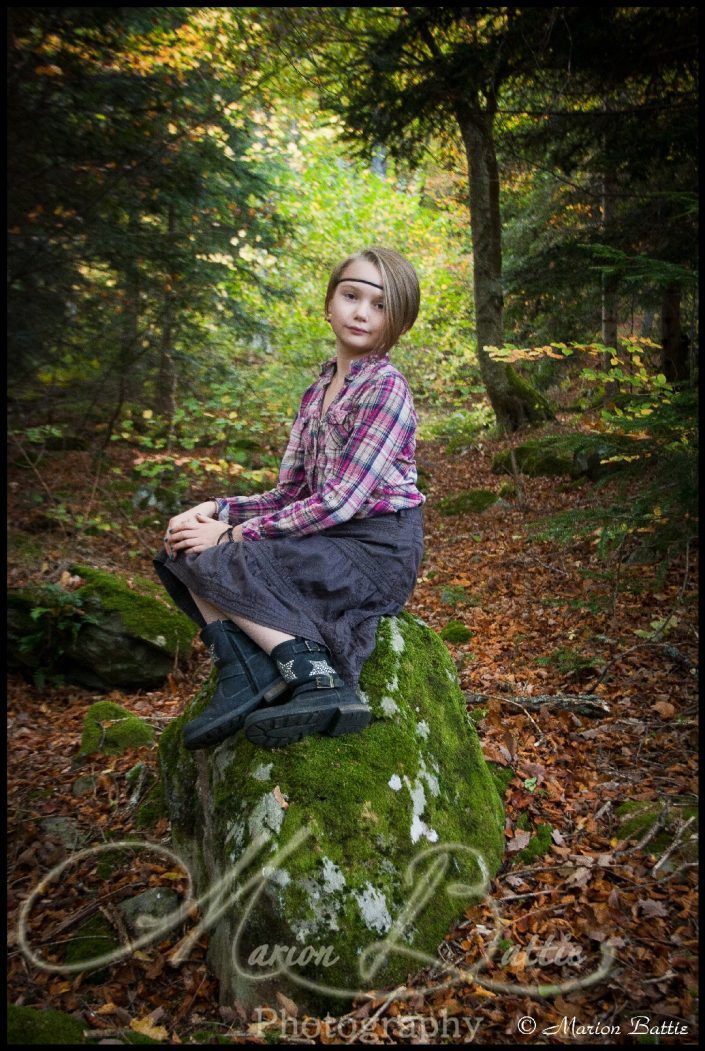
(356, 462)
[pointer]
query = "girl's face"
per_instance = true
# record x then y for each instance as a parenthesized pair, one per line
(357, 309)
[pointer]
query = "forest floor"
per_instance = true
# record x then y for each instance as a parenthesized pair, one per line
(546, 622)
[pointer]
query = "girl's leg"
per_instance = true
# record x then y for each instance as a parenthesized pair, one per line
(266, 638)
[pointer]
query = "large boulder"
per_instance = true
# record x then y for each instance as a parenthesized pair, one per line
(357, 812)
(109, 632)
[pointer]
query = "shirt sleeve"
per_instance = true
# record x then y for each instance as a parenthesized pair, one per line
(291, 485)
(384, 422)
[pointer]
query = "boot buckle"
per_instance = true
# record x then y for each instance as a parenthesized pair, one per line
(324, 682)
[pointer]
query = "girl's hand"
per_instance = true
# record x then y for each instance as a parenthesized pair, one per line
(206, 509)
(199, 534)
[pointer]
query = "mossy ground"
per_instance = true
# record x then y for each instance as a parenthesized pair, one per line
(30, 1026)
(636, 817)
(142, 606)
(111, 729)
(338, 790)
(455, 631)
(93, 938)
(469, 502)
(538, 845)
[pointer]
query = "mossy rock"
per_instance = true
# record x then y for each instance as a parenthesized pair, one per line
(637, 816)
(502, 776)
(111, 729)
(574, 455)
(455, 631)
(27, 1025)
(368, 805)
(152, 808)
(110, 633)
(472, 501)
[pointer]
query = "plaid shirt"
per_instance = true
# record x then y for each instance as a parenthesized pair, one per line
(355, 462)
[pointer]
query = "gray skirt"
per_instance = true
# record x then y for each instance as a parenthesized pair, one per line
(331, 586)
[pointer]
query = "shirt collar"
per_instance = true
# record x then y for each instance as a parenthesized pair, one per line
(369, 361)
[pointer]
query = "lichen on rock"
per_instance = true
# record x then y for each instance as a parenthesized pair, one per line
(366, 807)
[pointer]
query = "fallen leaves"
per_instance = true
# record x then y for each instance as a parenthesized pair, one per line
(565, 771)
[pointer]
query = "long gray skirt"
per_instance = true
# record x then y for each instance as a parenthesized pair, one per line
(331, 587)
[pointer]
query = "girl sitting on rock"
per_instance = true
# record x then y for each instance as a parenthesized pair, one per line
(289, 586)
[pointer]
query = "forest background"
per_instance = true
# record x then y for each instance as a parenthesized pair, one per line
(182, 180)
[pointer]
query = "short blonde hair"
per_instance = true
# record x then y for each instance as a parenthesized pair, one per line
(402, 295)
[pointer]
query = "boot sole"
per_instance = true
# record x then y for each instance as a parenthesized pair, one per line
(276, 729)
(226, 725)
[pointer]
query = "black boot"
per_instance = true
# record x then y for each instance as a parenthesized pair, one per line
(247, 678)
(321, 702)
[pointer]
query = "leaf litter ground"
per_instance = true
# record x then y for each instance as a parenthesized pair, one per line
(545, 623)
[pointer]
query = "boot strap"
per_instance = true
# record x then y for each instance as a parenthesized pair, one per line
(300, 645)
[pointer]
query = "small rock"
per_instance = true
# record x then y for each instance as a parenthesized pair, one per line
(145, 910)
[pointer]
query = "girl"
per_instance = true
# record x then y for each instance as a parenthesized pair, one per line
(289, 586)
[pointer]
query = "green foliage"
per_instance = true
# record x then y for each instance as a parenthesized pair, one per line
(569, 661)
(459, 430)
(652, 524)
(136, 256)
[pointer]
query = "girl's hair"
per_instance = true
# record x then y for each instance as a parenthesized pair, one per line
(402, 294)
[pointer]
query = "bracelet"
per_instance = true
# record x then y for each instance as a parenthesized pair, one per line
(229, 533)
(216, 502)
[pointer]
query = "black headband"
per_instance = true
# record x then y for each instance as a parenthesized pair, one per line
(361, 280)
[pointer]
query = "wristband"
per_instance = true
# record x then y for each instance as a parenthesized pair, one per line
(229, 533)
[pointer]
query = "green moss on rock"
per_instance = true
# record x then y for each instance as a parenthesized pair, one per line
(27, 1025)
(574, 455)
(152, 808)
(536, 405)
(469, 502)
(143, 607)
(110, 633)
(502, 776)
(369, 804)
(111, 729)
(455, 631)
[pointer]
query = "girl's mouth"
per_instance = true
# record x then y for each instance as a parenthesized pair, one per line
(358, 331)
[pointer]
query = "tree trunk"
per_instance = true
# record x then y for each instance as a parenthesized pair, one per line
(513, 399)
(165, 401)
(674, 342)
(609, 281)
(129, 336)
